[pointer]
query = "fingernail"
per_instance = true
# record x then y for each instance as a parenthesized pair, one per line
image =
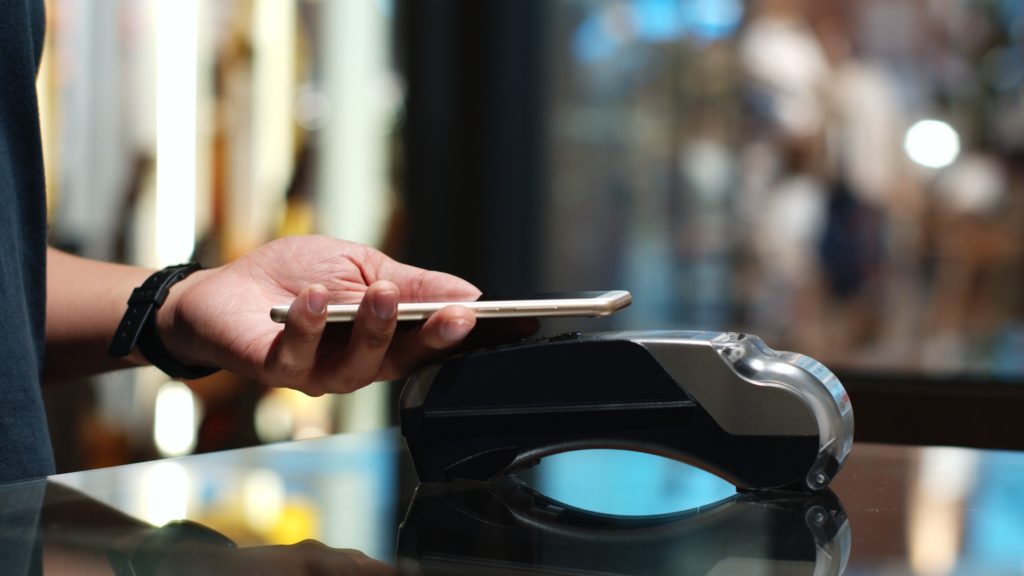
(385, 305)
(317, 301)
(455, 330)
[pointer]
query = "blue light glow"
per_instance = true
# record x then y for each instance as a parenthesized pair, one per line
(627, 483)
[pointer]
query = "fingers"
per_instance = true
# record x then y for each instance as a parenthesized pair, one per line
(293, 357)
(301, 358)
(443, 331)
(320, 559)
(360, 362)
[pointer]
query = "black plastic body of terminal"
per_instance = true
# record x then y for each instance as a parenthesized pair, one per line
(496, 410)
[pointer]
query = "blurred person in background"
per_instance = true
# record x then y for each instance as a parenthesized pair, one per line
(825, 183)
(784, 196)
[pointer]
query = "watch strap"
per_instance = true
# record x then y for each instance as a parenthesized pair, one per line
(137, 328)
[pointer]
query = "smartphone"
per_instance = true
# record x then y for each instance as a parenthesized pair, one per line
(599, 303)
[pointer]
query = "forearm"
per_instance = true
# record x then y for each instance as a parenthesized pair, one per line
(77, 531)
(219, 318)
(85, 300)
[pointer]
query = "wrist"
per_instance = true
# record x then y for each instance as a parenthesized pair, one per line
(174, 327)
(146, 553)
(138, 327)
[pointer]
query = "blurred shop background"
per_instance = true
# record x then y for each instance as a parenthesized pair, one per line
(840, 178)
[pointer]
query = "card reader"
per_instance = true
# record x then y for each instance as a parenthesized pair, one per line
(505, 527)
(722, 401)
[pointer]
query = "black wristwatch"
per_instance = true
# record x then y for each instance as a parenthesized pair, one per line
(147, 558)
(138, 326)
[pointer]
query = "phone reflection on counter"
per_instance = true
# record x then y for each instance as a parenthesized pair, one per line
(508, 527)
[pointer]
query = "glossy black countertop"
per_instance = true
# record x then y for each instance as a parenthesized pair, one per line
(892, 510)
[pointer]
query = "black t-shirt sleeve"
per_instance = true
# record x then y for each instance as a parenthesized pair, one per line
(24, 442)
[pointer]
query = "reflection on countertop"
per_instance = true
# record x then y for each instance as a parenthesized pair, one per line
(507, 527)
(909, 510)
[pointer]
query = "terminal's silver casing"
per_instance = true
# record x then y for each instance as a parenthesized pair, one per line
(761, 401)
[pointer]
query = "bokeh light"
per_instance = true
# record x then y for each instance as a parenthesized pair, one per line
(932, 143)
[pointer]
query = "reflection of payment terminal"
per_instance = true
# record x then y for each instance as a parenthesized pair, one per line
(505, 527)
(724, 402)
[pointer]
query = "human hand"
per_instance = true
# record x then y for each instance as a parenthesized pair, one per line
(221, 317)
(307, 557)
